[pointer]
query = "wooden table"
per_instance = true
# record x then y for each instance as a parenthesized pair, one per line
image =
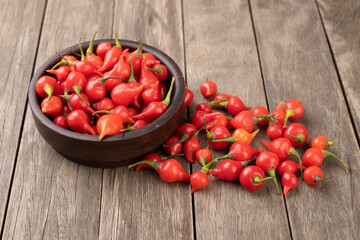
(264, 51)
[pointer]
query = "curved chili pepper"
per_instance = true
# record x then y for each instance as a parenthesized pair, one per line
(151, 157)
(240, 151)
(288, 181)
(155, 109)
(315, 157)
(173, 149)
(288, 166)
(234, 105)
(279, 114)
(283, 149)
(147, 78)
(112, 56)
(123, 69)
(61, 73)
(228, 170)
(109, 124)
(78, 121)
(240, 135)
(321, 142)
(198, 180)
(152, 94)
(252, 178)
(169, 170)
(184, 131)
(124, 94)
(293, 110)
(268, 162)
(90, 56)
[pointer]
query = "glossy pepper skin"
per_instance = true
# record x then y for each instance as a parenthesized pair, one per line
(293, 110)
(203, 156)
(288, 181)
(268, 162)
(169, 170)
(297, 134)
(198, 180)
(252, 178)
(190, 147)
(173, 149)
(321, 142)
(78, 121)
(288, 166)
(313, 175)
(109, 124)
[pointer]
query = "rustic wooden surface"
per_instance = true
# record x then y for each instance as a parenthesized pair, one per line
(263, 51)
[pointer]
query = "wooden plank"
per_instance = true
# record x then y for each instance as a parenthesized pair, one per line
(342, 25)
(220, 44)
(19, 31)
(297, 64)
(53, 198)
(139, 205)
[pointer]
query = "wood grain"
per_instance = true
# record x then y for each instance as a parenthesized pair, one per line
(342, 25)
(53, 198)
(297, 64)
(139, 205)
(220, 44)
(20, 30)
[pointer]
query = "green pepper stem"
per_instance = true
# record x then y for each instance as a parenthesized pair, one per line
(138, 52)
(300, 138)
(171, 156)
(81, 51)
(101, 111)
(77, 90)
(150, 163)
(229, 140)
(91, 45)
(184, 138)
(327, 153)
(61, 63)
(272, 173)
(157, 69)
(167, 98)
(132, 75)
(102, 80)
(48, 89)
(258, 179)
(117, 41)
(220, 103)
(289, 113)
(293, 152)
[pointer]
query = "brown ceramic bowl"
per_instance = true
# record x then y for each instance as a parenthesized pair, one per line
(117, 150)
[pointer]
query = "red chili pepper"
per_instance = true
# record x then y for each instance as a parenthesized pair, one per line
(121, 111)
(184, 131)
(78, 121)
(252, 178)
(189, 96)
(283, 149)
(268, 162)
(198, 180)
(60, 120)
(191, 146)
(219, 98)
(123, 69)
(217, 133)
(124, 93)
(61, 73)
(275, 129)
(147, 78)
(208, 88)
(173, 149)
(46, 86)
(149, 59)
(169, 170)
(137, 57)
(95, 89)
(234, 105)
(109, 124)
(132, 111)
(321, 142)
(160, 71)
(76, 82)
(240, 151)
(243, 120)
(315, 157)
(104, 104)
(313, 175)
(228, 170)
(218, 119)
(289, 181)
(103, 48)
(90, 56)
(151, 157)
(152, 94)
(294, 110)
(203, 156)
(288, 166)
(258, 113)
(240, 135)
(79, 103)
(65, 110)
(297, 134)
(205, 107)
(279, 114)
(112, 56)
(51, 107)
(137, 125)
(155, 109)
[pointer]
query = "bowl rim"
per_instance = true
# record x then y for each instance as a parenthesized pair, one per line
(178, 94)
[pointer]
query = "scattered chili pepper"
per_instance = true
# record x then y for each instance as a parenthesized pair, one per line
(173, 149)
(234, 105)
(313, 175)
(208, 88)
(289, 181)
(205, 107)
(288, 166)
(321, 142)
(203, 156)
(228, 170)
(189, 96)
(297, 134)
(252, 178)
(258, 112)
(184, 131)
(275, 129)
(268, 162)
(294, 110)
(198, 180)
(240, 151)
(240, 135)
(191, 146)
